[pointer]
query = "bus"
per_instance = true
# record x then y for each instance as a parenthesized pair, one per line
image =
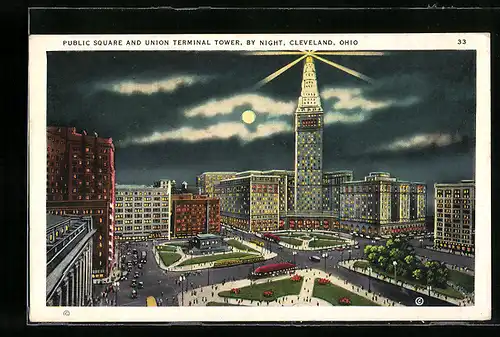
(151, 301)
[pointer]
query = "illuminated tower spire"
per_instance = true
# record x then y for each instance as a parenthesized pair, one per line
(309, 144)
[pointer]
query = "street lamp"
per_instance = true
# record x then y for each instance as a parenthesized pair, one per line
(369, 279)
(182, 278)
(350, 251)
(395, 264)
(294, 253)
(429, 288)
(324, 255)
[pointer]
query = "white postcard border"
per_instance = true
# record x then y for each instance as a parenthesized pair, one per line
(39, 45)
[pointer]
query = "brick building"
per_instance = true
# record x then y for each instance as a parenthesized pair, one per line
(81, 181)
(194, 214)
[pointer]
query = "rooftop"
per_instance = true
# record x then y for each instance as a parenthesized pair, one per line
(53, 220)
(208, 236)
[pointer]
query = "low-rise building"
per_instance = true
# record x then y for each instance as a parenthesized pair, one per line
(194, 214)
(69, 260)
(454, 220)
(207, 244)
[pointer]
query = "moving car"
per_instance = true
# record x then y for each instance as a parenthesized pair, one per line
(136, 274)
(134, 293)
(139, 265)
(315, 258)
(140, 285)
(133, 284)
(356, 247)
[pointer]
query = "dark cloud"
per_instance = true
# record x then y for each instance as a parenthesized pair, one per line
(442, 84)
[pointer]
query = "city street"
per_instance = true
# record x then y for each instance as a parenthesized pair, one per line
(157, 281)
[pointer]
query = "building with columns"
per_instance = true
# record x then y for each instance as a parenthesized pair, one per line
(69, 260)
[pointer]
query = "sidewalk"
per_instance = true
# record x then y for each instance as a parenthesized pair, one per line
(176, 268)
(349, 264)
(201, 296)
(305, 245)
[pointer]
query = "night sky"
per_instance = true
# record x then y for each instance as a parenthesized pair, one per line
(174, 115)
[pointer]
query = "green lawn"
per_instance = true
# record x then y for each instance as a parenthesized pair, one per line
(166, 248)
(180, 244)
(222, 304)
(326, 237)
(291, 241)
(361, 264)
(464, 280)
(332, 293)
(325, 243)
(212, 258)
(256, 292)
(169, 258)
(238, 245)
(448, 291)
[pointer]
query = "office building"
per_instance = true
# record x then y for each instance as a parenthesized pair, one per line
(309, 144)
(206, 181)
(250, 201)
(454, 220)
(332, 182)
(382, 204)
(69, 260)
(143, 212)
(81, 181)
(194, 214)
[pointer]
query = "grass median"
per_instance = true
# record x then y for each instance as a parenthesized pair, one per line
(291, 241)
(215, 257)
(169, 258)
(222, 304)
(325, 243)
(166, 248)
(464, 280)
(256, 292)
(332, 293)
(238, 245)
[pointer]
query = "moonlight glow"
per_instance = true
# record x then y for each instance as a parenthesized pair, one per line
(248, 117)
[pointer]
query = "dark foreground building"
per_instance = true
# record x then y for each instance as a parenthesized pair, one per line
(69, 261)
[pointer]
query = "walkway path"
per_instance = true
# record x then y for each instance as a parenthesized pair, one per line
(305, 244)
(267, 254)
(349, 264)
(201, 296)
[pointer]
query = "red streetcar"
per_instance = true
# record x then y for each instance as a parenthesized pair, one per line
(274, 269)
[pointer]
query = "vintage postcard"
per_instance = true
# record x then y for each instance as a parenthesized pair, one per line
(293, 177)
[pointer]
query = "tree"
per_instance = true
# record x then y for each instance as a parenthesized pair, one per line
(389, 244)
(382, 261)
(368, 249)
(409, 259)
(381, 250)
(372, 257)
(417, 274)
(394, 253)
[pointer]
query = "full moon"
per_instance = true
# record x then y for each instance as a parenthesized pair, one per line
(248, 117)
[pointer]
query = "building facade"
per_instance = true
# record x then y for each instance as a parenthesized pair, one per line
(309, 144)
(69, 261)
(207, 181)
(194, 214)
(454, 218)
(332, 182)
(383, 205)
(81, 181)
(143, 212)
(250, 201)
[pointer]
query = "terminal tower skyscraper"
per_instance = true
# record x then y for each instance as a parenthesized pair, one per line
(309, 145)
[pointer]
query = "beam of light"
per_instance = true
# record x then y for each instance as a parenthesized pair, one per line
(279, 72)
(274, 53)
(345, 69)
(353, 53)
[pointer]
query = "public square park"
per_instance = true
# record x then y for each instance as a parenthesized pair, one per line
(268, 270)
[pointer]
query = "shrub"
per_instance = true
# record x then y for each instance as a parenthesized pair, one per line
(268, 293)
(296, 278)
(323, 281)
(344, 301)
